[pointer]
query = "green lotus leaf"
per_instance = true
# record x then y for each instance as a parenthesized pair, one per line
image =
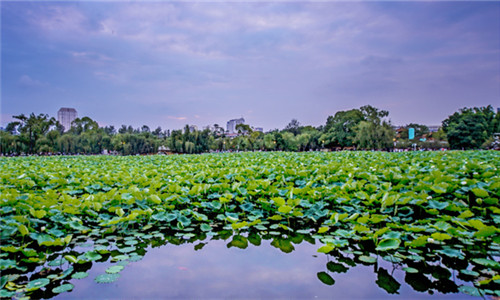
(184, 220)
(410, 270)
(440, 236)
(7, 264)
(470, 290)
(56, 262)
(469, 273)
(135, 258)
(486, 231)
(120, 257)
(92, 256)
(107, 278)
(438, 205)
(325, 278)
(205, 227)
(323, 229)
(451, 253)
(80, 275)
(388, 244)
(29, 252)
(63, 288)
(36, 284)
(6, 294)
(126, 249)
(486, 262)
(479, 192)
(368, 259)
(325, 249)
(114, 269)
(11, 249)
(284, 209)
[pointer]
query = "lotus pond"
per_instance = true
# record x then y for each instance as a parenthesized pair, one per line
(423, 221)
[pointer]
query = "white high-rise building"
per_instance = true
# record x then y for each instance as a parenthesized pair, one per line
(231, 124)
(65, 116)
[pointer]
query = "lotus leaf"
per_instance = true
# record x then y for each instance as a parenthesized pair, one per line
(388, 244)
(63, 288)
(114, 269)
(80, 275)
(107, 278)
(37, 283)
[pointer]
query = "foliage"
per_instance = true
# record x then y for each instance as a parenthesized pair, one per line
(421, 131)
(432, 212)
(364, 128)
(469, 128)
(340, 130)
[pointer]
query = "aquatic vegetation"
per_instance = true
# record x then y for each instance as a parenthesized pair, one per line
(434, 215)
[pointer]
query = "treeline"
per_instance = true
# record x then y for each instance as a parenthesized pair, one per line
(364, 128)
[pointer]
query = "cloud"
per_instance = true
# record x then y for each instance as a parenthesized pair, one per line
(380, 61)
(26, 81)
(90, 57)
(177, 118)
(54, 20)
(221, 60)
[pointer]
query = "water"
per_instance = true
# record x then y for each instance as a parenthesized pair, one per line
(257, 272)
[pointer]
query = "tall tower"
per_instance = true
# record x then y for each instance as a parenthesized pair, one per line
(65, 116)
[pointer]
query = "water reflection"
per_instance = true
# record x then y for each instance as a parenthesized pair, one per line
(163, 264)
(254, 266)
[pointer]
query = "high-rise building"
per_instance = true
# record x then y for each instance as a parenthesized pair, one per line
(231, 124)
(66, 116)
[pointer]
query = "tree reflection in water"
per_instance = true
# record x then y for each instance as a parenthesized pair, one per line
(429, 273)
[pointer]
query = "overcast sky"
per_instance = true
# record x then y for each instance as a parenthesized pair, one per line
(171, 64)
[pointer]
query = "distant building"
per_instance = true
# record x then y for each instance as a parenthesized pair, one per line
(231, 124)
(434, 128)
(66, 116)
(193, 128)
(259, 129)
(209, 127)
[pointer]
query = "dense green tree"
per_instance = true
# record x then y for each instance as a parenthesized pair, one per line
(80, 125)
(31, 128)
(469, 128)
(340, 130)
(293, 127)
(243, 129)
(374, 132)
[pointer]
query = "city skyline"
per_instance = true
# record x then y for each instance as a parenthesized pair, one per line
(172, 64)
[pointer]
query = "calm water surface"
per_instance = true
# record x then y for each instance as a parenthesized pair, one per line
(262, 272)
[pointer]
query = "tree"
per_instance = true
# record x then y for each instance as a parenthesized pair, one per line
(243, 129)
(293, 127)
(80, 125)
(340, 130)
(420, 131)
(158, 132)
(374, 136)
(372, 114)
(31, 128)
(373, 132)
(110, 130)
(469, 128)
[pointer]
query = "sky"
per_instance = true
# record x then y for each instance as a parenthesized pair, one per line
(177, 63)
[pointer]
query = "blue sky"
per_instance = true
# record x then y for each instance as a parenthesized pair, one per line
(171, 64)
